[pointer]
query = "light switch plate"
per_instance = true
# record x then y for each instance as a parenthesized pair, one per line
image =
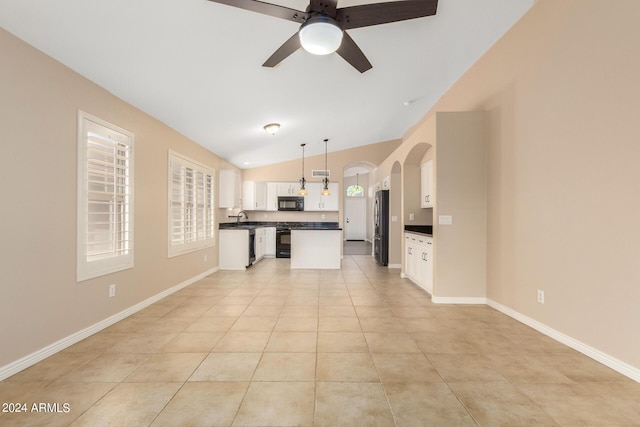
(445, 220)
(394, 218)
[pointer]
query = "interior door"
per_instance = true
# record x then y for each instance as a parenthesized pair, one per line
(355, 218)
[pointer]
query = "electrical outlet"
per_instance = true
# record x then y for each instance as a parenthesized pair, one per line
(540, 296)
(412, 217)
(112, 291)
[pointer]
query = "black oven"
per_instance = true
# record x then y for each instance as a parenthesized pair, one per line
(283, 243)
(290, 203)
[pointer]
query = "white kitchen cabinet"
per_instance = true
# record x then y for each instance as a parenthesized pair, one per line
(234, 249)
(314, 201)
(288, 188)
(272, 196)
(409, 249)
(254, 195)
(418, 260)
(260, 243)
(229, 189)
(270, 242)
(427, 187)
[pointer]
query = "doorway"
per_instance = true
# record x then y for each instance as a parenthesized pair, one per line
(357, 220)
(355, 217)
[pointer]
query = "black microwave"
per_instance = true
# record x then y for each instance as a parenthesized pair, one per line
(290, 203)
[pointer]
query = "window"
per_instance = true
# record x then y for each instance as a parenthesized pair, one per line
(355, 191)
(191, 210)
(105, 198)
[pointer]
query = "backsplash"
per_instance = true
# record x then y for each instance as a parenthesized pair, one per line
(330, 216)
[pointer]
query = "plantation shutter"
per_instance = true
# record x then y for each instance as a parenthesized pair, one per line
(108, 196)
(105, 198)
(191, 209)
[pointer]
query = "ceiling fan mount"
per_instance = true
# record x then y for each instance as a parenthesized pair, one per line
(323, 25)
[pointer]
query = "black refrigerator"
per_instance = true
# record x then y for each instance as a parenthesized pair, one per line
(381, 227)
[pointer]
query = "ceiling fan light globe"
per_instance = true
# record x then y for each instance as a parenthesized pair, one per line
(320, 36)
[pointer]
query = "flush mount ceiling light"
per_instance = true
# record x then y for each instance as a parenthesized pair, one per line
(320, 35)
(272, 128)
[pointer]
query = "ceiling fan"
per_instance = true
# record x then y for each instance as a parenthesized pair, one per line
(323, 25)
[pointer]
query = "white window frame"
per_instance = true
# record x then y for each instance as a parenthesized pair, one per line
(120, 202)
(190, 208)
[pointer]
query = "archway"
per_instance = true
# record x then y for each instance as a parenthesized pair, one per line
(358, 208)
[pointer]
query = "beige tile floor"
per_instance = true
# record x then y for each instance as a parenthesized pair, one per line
(355, 347)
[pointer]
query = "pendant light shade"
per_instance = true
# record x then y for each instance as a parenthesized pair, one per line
(303, 182)
(320, 35)
(325, 181)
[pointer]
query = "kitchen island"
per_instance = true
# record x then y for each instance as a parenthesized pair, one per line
(316, 248)
(309, 245)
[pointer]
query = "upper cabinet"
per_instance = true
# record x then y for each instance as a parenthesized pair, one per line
(272, 196)
(288, 188)
(314, 201)
(229, 189)
(427, 187)
(254, 195)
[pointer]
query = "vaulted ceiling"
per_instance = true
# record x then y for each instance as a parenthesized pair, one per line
(196, 66)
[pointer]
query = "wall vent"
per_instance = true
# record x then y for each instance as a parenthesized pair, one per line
(321, 173)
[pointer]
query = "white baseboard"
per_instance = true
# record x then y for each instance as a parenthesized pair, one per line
(613, 363)
(37, 356)
(393, 265)
(459, 300)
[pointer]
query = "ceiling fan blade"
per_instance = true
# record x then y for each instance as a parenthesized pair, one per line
(383, 13)
(327, 7)
(283, 51)
(351, 53)
(267, 9)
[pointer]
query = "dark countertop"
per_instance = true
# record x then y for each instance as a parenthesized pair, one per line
(248, 225)
(420, 229)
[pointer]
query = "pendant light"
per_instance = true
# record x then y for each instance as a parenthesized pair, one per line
(303, 190)
(325, 181)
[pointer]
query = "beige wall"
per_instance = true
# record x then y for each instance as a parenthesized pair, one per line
(41, 301)
(561, 93)
(460, 170)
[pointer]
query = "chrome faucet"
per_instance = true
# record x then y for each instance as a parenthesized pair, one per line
(239, 216)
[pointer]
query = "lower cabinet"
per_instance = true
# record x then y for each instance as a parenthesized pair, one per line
(234, 252)
(270, 240)
(418, 260)
(260, 243)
